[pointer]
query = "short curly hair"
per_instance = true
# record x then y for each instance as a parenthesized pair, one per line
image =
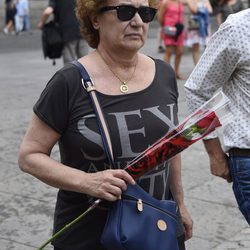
(86, 8)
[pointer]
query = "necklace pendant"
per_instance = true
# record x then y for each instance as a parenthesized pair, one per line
(124, 88)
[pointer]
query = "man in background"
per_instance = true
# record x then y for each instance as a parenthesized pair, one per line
(225, 64)
(22, 18)
(64, 13)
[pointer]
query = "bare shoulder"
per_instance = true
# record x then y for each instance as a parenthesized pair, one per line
(146, 62)
(87, 59)
(146, 69)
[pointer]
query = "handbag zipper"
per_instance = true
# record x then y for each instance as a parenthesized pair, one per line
(140, 201)
(139, 205)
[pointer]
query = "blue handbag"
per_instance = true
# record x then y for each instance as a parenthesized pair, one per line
(138, 221)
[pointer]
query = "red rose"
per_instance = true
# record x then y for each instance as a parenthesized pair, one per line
(206, 121)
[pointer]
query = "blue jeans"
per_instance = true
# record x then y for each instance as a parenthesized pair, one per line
(22, 23)
(240, 172)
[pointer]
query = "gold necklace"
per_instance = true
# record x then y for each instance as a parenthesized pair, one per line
(124, 87)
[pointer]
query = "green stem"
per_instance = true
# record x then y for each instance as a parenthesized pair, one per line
(70, 224)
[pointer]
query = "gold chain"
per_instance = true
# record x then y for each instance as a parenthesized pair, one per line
(124, 87)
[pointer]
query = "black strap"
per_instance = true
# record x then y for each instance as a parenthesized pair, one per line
(102, 124)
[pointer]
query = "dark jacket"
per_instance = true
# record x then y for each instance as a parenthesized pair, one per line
(64, 11)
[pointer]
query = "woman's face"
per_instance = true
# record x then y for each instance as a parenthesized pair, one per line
(116, 34)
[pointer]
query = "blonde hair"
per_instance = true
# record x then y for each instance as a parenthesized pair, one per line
(85, 9)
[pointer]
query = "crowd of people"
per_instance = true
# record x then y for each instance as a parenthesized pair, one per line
(196, 22)
(17, 16)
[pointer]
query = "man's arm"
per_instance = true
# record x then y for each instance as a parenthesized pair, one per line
(212, 72)
(218, 159)
(215, 67)
(46, 14)
(177, 192)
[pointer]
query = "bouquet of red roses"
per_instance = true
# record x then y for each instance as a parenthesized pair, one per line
(198, 125)
(206, 119)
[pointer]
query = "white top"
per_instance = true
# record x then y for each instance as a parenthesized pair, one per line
(201, 3)
(226, 64)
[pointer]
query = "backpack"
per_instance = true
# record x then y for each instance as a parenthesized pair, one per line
(52, 41)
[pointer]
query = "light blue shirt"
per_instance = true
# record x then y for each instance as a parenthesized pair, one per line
(22, 7)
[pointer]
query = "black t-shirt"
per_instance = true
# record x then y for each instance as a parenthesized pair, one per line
(64, 11)
(135, 121)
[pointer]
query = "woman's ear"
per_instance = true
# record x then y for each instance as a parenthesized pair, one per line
(95, 20)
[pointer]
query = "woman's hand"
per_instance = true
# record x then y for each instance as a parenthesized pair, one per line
(107, 184)
(187, 222)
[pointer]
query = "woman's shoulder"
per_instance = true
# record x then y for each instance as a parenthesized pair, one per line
(163, 70)
(160, 64)
(155, 62)
(69, 72)
(65, 78)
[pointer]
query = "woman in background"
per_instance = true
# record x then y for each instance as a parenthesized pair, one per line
(198, 34)
(10, 17)
(170, 13)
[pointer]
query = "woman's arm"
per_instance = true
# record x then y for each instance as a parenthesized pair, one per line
(177, 192)
(219, 19)
(209, 7)
(161, 11)
(34, 158)
(192, 6)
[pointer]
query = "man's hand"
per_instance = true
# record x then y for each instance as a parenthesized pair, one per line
(218, 159)
(219, 166)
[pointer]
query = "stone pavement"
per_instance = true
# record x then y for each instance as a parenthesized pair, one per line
(26, 204)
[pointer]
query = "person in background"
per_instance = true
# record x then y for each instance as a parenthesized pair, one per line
(170, 13)
(225, 65)
(198, 27)
(10, 9)
(75, 46)
(227, 7)
(22, 17)
(161, 46)
(134, 91)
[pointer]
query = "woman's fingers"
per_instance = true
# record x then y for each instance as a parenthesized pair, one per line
(122, 174)
(109, 184)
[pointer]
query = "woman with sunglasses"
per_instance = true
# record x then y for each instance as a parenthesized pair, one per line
(138, 95)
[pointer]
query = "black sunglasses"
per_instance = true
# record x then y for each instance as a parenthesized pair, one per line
(127, 12)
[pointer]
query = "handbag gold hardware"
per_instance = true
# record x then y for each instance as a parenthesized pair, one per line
(139, 205)
(162, 225)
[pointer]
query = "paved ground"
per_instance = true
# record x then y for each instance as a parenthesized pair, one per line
(26, 205)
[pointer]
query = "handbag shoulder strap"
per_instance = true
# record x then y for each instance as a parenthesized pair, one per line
(102, 124)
